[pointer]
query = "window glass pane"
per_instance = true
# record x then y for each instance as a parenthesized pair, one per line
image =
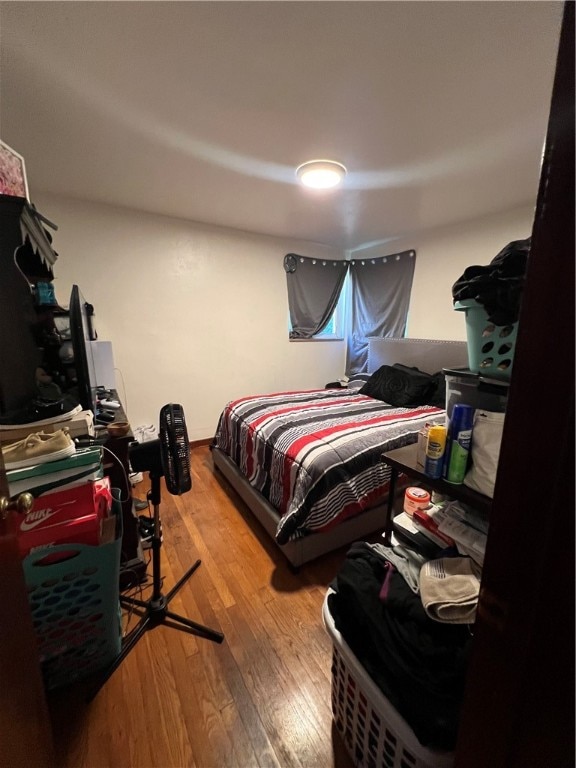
(330, 328)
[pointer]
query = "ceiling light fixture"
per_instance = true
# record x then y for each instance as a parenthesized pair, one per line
(321, 174)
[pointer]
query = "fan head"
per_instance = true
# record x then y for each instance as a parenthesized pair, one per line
(175, 449)
(169, 455)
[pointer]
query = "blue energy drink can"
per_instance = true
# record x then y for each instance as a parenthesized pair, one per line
(459, 442)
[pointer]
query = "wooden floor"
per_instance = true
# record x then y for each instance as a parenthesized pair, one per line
(261, 698)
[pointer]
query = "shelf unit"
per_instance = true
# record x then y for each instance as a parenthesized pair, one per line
(404, 460)
(26, 255)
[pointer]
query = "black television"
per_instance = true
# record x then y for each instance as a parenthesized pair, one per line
(81, 333)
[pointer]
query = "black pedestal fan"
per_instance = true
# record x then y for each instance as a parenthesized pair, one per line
(168, 457)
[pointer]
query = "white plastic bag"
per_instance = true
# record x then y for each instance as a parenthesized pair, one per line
(485, 451)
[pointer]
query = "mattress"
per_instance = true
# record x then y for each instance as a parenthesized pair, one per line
(315, 455)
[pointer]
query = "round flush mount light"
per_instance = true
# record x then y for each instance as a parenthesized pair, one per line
(321, 174)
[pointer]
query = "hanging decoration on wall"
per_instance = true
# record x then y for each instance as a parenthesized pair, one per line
(12, 173)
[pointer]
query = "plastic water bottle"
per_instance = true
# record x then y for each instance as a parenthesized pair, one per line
(459, 441)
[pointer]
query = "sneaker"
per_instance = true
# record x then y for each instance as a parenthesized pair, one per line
(38, 448)
(40, 412)
(145, 523)
(145, 432)
(146, 532)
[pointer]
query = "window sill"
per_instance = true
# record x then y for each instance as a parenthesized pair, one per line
(317, 338)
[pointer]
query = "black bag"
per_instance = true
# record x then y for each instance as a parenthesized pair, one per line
(498, 287)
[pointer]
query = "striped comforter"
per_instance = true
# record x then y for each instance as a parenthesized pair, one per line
(315, 455)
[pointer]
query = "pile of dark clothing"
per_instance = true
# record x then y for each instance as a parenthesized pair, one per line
(498, 287)
(418, 663)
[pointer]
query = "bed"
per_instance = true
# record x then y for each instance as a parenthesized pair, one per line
(307, 463)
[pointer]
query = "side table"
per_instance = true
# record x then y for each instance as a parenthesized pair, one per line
(404, 460)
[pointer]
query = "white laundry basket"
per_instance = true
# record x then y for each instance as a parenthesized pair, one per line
(375, 735)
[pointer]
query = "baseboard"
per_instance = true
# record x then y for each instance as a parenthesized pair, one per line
(197, 443)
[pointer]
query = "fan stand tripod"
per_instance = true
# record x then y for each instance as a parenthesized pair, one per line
(155, 610)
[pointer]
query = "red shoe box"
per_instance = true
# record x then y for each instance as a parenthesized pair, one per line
(69, 516)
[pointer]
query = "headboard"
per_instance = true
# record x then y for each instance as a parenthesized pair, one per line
(428, 355)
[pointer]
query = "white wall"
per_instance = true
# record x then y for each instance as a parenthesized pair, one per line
(196, 315)
(441, 258)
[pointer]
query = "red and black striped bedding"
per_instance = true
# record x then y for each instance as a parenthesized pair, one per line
(315, 455)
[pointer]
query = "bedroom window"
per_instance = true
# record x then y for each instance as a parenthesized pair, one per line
(374, 302)
(333, 330)
(336, 326)
(329, 330)
(314, 290)
(380, 290)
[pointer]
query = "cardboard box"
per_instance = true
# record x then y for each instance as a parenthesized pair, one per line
(81, 530)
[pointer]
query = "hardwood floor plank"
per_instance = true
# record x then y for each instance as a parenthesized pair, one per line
(200, 713)
(288, 703)
(210, 562)
(136, 692)
(243, 749)
(307, 644)
(247, 707)
(261, 699)
(275, 709)
(169, 742)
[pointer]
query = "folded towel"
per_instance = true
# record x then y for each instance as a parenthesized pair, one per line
(449, 589)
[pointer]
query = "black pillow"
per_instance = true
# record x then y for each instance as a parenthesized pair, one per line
(399, 385)
(437, 395)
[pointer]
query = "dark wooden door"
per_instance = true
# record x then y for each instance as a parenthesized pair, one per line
(519, 704)
(25, 734)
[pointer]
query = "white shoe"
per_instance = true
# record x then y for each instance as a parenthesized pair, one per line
(145, 432)
(135, 478)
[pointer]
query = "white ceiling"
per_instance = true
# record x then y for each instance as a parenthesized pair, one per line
(202, 110)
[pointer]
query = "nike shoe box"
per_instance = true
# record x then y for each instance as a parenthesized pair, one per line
(72, 516)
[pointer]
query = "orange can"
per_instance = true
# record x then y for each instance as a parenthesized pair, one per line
(415, 498)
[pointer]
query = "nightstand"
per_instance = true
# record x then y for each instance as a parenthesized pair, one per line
(404, 460)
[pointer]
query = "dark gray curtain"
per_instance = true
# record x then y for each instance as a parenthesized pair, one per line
(380, 297)
(314, 287)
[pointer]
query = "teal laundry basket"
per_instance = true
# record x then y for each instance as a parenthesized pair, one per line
(74, 597)
(490, 347)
